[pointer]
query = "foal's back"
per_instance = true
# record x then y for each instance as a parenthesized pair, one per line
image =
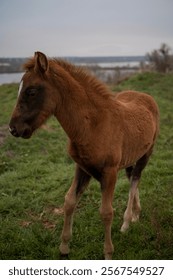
(135, 103)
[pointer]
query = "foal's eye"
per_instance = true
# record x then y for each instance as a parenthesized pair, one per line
(31, 91)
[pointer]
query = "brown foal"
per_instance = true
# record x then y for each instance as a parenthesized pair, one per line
(107, 132)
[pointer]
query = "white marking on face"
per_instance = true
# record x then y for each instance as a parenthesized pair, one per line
(20, 87)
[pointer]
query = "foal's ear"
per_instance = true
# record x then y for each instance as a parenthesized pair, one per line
(41, 62)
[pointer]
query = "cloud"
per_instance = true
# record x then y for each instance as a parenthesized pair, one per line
(74, 27)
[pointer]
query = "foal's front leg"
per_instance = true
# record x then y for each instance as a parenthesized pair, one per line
(106, 210)
(78, 186)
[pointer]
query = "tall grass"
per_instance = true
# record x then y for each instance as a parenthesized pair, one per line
(35, 175)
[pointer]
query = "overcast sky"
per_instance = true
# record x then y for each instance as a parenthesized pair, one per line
(84, 27)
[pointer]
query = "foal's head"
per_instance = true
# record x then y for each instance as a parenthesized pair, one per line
(35, 101)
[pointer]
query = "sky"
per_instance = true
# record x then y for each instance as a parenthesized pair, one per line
(84, 27)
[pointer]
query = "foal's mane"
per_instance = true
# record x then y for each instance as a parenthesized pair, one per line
(80, 74)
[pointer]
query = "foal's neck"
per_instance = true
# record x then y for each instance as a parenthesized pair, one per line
(73, 108)
(82, 100)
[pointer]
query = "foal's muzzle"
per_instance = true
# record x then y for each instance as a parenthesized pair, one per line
(13, 131)
(24, 132)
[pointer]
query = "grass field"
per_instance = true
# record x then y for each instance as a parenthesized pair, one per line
(36, 173)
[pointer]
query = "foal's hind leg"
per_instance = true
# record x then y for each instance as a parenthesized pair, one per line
(129, 171)
(133, 207)
(78, 186)
(136, 202)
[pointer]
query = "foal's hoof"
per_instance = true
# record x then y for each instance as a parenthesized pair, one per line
(108, 256)
(64, 249)
(124, 227)
(135, 218)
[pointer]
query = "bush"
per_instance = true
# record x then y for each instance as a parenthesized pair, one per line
(161, 60)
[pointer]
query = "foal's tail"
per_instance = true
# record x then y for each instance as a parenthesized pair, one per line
(156, 116)
(153, 108)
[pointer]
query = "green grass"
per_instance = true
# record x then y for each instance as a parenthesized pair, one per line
(35, 175)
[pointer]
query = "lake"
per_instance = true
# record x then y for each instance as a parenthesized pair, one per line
(8, 78)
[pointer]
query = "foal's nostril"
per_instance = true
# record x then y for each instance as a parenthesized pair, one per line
(13, 131)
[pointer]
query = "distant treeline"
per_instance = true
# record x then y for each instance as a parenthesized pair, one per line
(14, 65)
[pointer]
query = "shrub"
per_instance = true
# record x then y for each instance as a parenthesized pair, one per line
(161, 60)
